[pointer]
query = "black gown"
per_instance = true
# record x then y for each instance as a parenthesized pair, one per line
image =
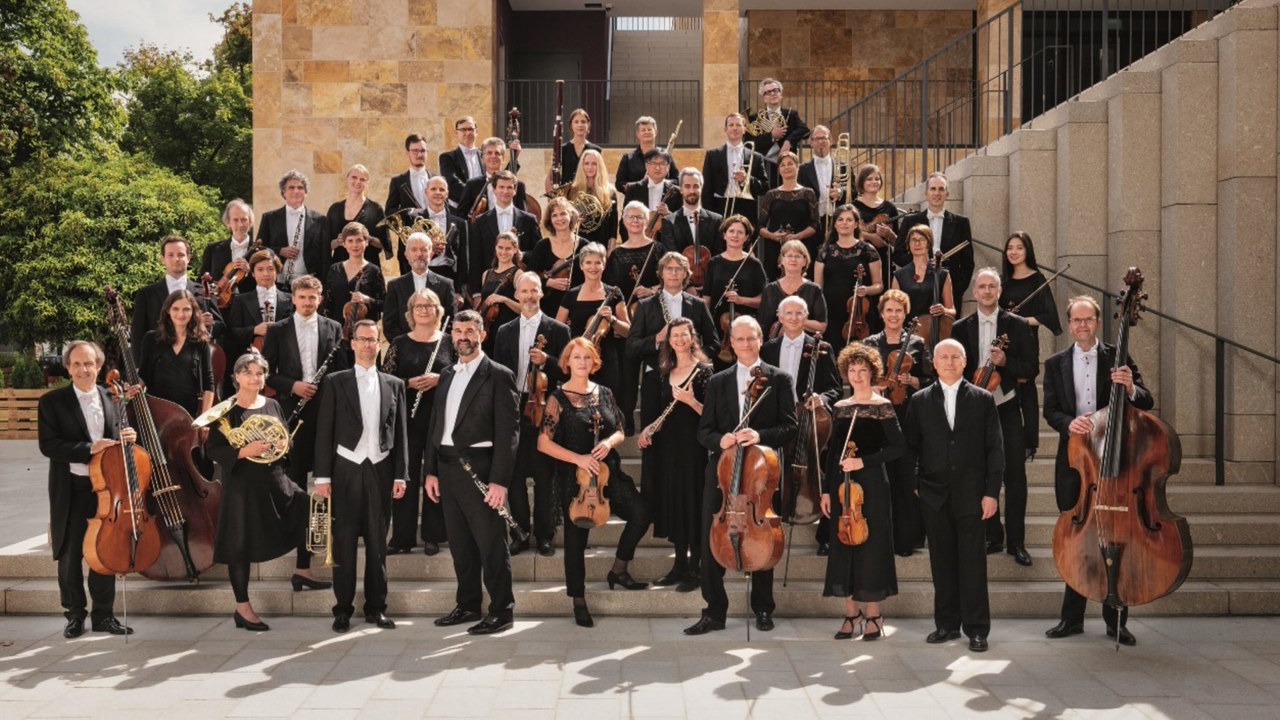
(867, 213)
(677, 468)
(263, 514)
(338, 289)
(750, 282)
(838, 267)
(608, 227)
(580, 313)
(920, 293)
(782, 208)
(179, 377)
(407, 358)
(772, 296)
(618, 268)
(1044, 309)
(864, 572)
(503, 284)
(908, 525)
(541, 259)
(369, 216)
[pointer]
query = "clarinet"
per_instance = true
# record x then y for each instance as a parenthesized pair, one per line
(315, 380)
(656, 425)
(430, 361)
(515, 528)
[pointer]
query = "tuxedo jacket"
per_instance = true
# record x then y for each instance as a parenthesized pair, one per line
(639, 191)
(280, 349)
(216, 257)
(146, 310)
(964, 464)
(708, 231)
(808, 177)
(396, 302)
(64, 439)
(631, 169)
(775, 419)
(1060, 408)
(453, 166)
(483, 237)
(827, 381)
(1022, 356)
(400, 196)
(648, 321)
(507, 348)
(715, 179)
(457, 252)
(796, 131)
(489, 411)
(340, 422)
(955, 230)
(316, 238)
(245, 314)
(475, 187)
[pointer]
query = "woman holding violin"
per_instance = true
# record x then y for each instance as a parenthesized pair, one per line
(176, 359)
(359, 208)
(876, 216)
(354, 288)
(581, 428)
(592, 179)
(675, 463)
(407, 358)
(1020, 277)
(917, 279)
(836, 272)
(601, 309)
(263, 513)
(498, 287)
(735, 281)
(794, 260)
(787, 212)
(855, 492)
(555, 257)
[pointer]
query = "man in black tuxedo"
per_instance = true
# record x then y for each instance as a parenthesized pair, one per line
(362, 458)
(949, 230)
(295, 347)
(652, 189)
(694, 224)
(253, 312)
(1019, 361)
(298, 234)
(631, 166)
(463, 162)
(516, 350)
(175, 253)
(953, 435)
(407, 191)
(780, 137)
(821, 174)
(417, 248)
(449, 251)
(500, 217)
(475, 430)
(237, 216)
(74, 423)
(493, 153)
(773, 424)
(730, 161)
(1077, 383)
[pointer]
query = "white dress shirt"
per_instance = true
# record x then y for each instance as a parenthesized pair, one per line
(462, 374)
(239, 249)
(733, 154)
(420, 282)
(418, 184)
(528, 334)
(307, 330)
(369, 390)
(949, 393)
(91, 406)
(822, 168)
(1084, 371)
(935, 226)
(691, 216)
(266, 295)
(744, 380)
(789, 356)
(986, 336)
(295, 226)
(175, 284)
(472, 156)
(506, 218)
(655, 192)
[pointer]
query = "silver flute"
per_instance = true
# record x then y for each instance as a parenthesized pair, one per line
(413, 413)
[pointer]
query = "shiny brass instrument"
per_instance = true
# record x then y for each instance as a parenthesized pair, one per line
(766, 120)
(398, 233)
(254, 427)
(733, 191)
(590, 211)
(320, 529)
(841, 161)
(671, 141)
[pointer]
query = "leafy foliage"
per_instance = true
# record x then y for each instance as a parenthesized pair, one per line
(26, 374)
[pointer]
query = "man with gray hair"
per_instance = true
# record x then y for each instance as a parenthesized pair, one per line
(417, 251)
(949, 231)
(237, 217)
(295, 232)
(782, 129)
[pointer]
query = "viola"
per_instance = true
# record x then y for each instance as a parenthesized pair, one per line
(218, 356)
(851, 526)
(535, 387)
(232, 276)
(655, 218)
(987, 377)
(802, 486)
(597, 329)
(899, 362)
(935, 328)
(495, 308)
(855, 328)
(590, 508)
(353, 312)
(698, 256)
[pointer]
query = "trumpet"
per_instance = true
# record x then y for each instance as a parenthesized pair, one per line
(320, 529)
(733, 190)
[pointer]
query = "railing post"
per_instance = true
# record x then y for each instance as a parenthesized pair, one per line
(924, 122)
(1106, 44)
(1219, 412)
(1007, 126)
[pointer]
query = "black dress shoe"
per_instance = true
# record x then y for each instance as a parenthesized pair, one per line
(907, 553)
(381, 620)
(692, 580)
(490, 625)
(74, 628)
(704, 625)
(1063, 629)
(112, 626)
(978, 643)
(824, 549)
(545, 548)
(430, 549)
(391, 550)
(941, 636)
(1126, 637)
(243, 622)
(625, 580)
(302, 581)
(764, 621)
(994, 547)
(516, 546)
(1021, 556)
(457, 616)
(673, 576)
(341, 624)
(582, 616)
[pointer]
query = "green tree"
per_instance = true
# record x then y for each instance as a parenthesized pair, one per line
(235, 50)
(54, 98)
(71, 226)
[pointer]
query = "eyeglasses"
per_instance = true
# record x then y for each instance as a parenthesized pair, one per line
(1082, 321)
(656, 163)
(364, 340)
(772, 91)
(465, 129)
(424, 306)
(629, 218)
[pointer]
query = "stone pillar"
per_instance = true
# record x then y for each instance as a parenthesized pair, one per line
(997, 52)
(720, 44)
(1082, 193)
(1033, 197)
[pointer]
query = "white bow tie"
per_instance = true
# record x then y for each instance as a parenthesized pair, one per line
(933, 215)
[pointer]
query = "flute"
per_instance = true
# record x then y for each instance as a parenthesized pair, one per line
(413, 413)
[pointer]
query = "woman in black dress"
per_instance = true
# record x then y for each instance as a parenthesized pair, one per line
(357, 207)
(862, 573)
(354, 280)
(556, 254)
(633, 268)
(794, 261)
(916, 278)
(1019, 278)
(787, 212)
(674, 461)
(407, 359)
(746, 274)
(582, 303)
(877, 217)
(581, 427)
(592, 179)
(571, 151)
(835, 270)
(263, 514)
(498, 288)
(175, 360)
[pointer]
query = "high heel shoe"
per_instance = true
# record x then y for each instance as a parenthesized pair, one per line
(873, 621)
(582, 616)
(301, 581)
(241, 622)
(625, 580)
(853, 627)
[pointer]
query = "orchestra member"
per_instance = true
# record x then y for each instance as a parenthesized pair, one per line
(396, 321)
(354, 280)
(555, 257)
(1077, 383)
(237, 217)
(949, 230)
(448, 254)
(783, 128)
(735, 279)
(253, 312)
(299, 235)
(655, 192)
(176, 358)
(729, 162)
(953, 432)
(572, 149)
(631, 167)
(493, 153)
(474, 434)
(463, 162)
(407, 359)
(862, 573)
(916, 278)
(822, 175)
(787, 212)
(793, 262)
(1019, 278)
(262, 514)
(693, 221)
(498, 303)
(74, 423)
(502, 216)
(359, 208)
(633, 268)
(407, 192)
(836, 270)
(877, 217)
(593, 297)
(581, 430)
(175, 253)
(361, 463)
(773, 424)
(592, 178)
(516, 350)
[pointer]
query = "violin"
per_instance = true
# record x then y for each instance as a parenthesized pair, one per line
(698, 256)
(353, 312)
(655, 218)
(218, 356)
(597, 329)
(122, 536)
(855, 328)
(495, 308)
(480, 207)
(851, 527)
(1120, 544)
(232, 276)
(935, 328)
(746, 535)
(871, 232)
(899, 362)
(987, 377)
(535, 387)
(802, 489)
(590, 508)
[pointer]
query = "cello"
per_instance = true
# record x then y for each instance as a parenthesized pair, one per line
(802, 487)
(1120, 544)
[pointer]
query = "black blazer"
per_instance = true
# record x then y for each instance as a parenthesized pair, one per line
(490, 410)
(965, 464)
(708, 231)
(396, 302)
(648, 322)
(639, 191)
(369, 216)
(453, 166)
(631, 169)
(280, 349)
(826, 383)
(808, 177)
(955, 230)
(476, 186)
(775, 419)
(400, 196)
(507, 348)
(796, 131)
(483, 237)
(715, 178)
(245, 316)
(146, 310)
(1060, 408)
(1022, 357)
(340, 422)
(316, 237)
(64, 439)
(457, 252)
(216, 257)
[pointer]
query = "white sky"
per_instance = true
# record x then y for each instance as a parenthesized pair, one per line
(114, 25)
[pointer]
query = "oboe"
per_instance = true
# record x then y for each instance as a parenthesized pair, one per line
(316, 377)
(413, 413)
(515, 528)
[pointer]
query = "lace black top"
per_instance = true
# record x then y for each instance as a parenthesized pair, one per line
(876, 435)
(569, 418)
(797, 208)
(338, 289)
(617, 269)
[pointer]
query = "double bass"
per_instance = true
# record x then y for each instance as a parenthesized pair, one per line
(1120, 544)
(802, 486)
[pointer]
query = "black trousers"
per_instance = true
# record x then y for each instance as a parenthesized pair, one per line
(1014, 529)
(405, 510)
(958, 562)
(713, 572)
(477, 534)
(361, 495)
(1073, 606)
(102, 588)
(531, 463)
(628, 386)
(1029, 401)
(625, 502)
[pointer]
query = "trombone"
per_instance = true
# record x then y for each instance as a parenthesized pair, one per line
(733, 190)
(840, 157)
